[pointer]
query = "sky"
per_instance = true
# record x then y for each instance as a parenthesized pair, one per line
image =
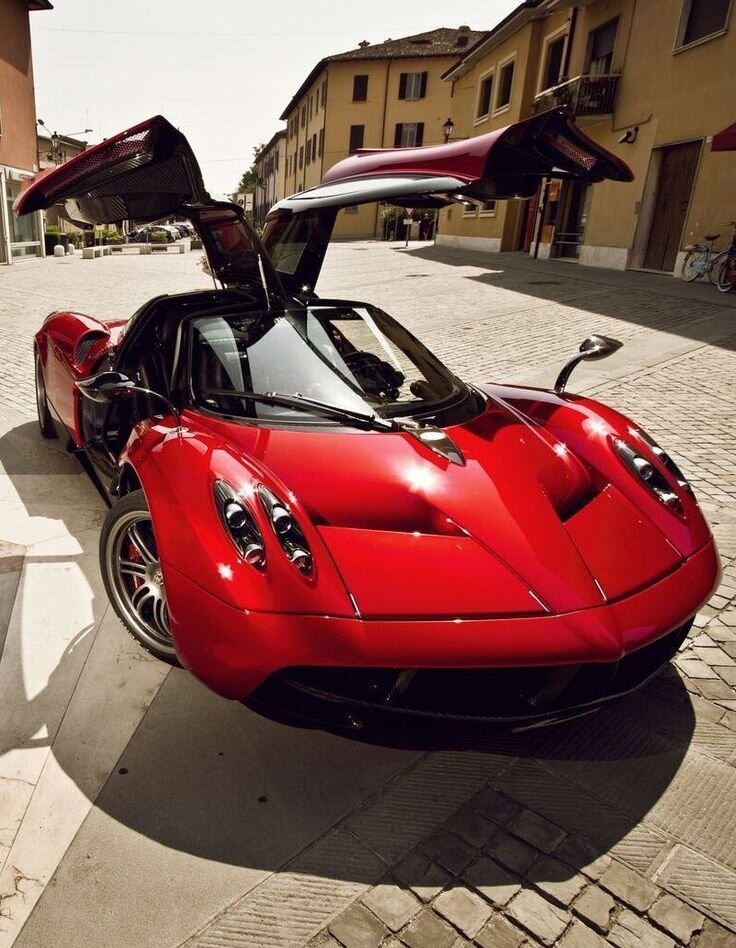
(222, 71)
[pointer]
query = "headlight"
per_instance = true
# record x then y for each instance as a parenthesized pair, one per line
(648, 474)
(240, 525)
(287, 530)
(665, 459)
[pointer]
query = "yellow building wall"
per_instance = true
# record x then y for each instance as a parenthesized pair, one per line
(672, 96)
(479, 229)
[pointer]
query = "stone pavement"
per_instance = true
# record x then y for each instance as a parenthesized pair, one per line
(136, 809)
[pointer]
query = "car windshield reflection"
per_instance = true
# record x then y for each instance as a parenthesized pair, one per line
(355, 358)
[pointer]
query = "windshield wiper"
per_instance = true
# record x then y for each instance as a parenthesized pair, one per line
(345, 416)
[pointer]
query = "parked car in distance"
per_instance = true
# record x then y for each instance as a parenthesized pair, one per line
(310, 511)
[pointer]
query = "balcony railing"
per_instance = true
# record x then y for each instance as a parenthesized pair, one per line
(586, 95)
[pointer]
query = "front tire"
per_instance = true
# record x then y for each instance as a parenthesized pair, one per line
(727, 275)
(131, 572)
(692, 265)
(45, 421)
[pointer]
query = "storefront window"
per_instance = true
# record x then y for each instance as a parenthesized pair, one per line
(24, 236)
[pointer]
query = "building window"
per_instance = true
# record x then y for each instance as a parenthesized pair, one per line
(412, 85)
(505, 84)
(324, 93)
(702, 18)
(470, 210)
(351, 210)
(485, 91)
(488, 209)
(553, 61)
(314, 146)
(600, 49)
(321, 142)
(301, 157)
(356, 137)
(360, 88)
(408, 134)
(303, 116)
(308, 152)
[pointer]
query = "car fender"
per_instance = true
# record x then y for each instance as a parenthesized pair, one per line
(177, 469)
(588, 428)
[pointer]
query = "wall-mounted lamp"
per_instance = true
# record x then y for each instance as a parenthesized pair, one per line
(448, 128)
(629, 136)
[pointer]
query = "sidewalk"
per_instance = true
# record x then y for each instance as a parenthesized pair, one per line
(138, 809)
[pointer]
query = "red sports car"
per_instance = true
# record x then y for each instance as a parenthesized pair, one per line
(308, 508)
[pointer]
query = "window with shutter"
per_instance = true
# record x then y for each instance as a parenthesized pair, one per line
(412, 85)
(356, 137)
(360, 88)
(321, 141)
(601, 44)
(505, 84)
(408, 134)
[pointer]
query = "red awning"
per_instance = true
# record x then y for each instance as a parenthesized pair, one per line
(725, 140)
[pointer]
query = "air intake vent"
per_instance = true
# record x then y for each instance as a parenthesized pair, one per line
(86, 344)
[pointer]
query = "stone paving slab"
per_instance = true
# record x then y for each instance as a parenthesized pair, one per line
(615, 829)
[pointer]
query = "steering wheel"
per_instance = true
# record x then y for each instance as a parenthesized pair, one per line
(375, 376)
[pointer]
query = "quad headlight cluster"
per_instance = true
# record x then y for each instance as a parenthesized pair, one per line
(240, 525)
(650, 474)
(287, 530)
(243, 530)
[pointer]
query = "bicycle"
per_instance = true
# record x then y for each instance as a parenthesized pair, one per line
(726, 270)
(705, 260)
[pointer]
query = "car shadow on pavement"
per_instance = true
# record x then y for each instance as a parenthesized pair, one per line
(209, 778)
(696, 312)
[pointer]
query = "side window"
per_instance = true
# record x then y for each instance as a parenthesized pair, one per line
(357, 133)
(553, 62)
(408, 134)
(485, 91)
(505, 84)
(412, 85)
(360, 88)
(701, 18)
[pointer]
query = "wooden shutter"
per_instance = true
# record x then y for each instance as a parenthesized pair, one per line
(675, 183)
(402, 85)
(397, 135)
(356, 137)
(420, 131)
(423, 92)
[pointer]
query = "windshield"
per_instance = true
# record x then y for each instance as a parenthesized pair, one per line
(352, 357)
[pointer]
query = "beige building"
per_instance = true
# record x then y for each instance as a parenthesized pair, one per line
(652, 82)
(18, 159)
(270, 165)
(384, 95)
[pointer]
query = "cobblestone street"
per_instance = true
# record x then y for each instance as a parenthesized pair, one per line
(136, 809)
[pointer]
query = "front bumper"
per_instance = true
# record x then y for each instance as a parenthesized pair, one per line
(234, 652)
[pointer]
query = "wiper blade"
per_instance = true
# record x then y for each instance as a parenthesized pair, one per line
(345, 416)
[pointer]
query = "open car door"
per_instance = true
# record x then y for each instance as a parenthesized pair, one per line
(507, 163)
(146, 173)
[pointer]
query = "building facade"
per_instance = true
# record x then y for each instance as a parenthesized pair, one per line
(652, 82)
(52, 150)
(270, 165)
(384, 95)
(19, 237)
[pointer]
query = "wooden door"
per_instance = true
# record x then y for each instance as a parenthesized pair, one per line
(674, 186)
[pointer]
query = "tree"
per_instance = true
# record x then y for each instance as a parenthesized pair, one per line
(248, 181)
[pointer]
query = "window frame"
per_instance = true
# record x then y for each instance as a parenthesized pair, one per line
(418, 134)
(484, 211)
(364, 76)
(352, 150)
(500, 66)
(680, 45)
(560, 33)
(589, 45)
(489, 74)
(404, 82)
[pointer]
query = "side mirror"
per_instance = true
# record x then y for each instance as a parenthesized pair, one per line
(594, 347)
(110, 386)
(106, 387)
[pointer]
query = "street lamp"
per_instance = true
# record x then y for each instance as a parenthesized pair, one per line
(448, 128)
(56, 139)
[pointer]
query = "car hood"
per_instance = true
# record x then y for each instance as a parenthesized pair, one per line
(144, 174)
(522, 527)
(507, 163)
